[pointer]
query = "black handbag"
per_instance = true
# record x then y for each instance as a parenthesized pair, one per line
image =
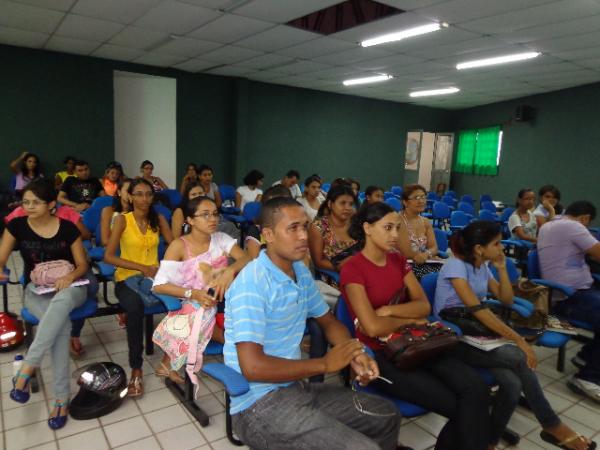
(462, 316)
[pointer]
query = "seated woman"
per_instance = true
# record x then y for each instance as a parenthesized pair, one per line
(191, 176)
(26, 168)
(146, 173)
(42, 237)
(179, 226)
(69, 171)
(311, 197)
(111, 178)
(374, 194)
(549, 206)
(136, 234)
(417, 239)
(205, 252)
(355, 185)
(251, 191)
(121, 204)
(444, 385)
(522, 223)
(329, 242)
(464, 281)
(211, 190)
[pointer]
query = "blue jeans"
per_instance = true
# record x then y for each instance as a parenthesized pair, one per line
(508, 364)
(584, 305)
(305, 416)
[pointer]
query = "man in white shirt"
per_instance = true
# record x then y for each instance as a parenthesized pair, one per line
(290, 181)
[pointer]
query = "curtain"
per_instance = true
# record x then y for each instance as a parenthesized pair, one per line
(485, 161)
(465, 156)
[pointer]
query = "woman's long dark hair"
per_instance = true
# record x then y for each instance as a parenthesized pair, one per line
(558, 208)
(190, 207)
(117, 206)
(334, 193)
(368, 213)
(152, 214)
(481, 232)
(37, 171)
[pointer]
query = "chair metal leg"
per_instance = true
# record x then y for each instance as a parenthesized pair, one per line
(149, 330)
(228, 425)
(185, 395)
(5, 297)
(562, 354)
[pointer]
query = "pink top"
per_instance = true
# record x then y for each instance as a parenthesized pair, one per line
(62, 212)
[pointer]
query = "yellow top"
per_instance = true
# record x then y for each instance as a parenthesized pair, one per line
(136, 247)
(64, 175)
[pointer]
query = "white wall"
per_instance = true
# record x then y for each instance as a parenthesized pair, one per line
(146, 123)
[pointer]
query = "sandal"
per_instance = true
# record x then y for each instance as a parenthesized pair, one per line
(135, 388)
(58, 421)
(20, 395)
(164, 372)
(76, 351)
(122, 320)
(563, 444)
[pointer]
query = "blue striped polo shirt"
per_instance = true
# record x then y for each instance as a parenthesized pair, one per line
(265, 306)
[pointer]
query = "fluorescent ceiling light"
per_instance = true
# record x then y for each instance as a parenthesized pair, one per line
(450, 90)
(497, 60)
(398, 36)
(366, 80)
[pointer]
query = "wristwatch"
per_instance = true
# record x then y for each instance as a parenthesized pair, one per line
(188, 293)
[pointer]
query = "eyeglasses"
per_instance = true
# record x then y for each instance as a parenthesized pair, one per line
(32, 203)
(208, 216)
(143, 194)
(359, 406)
(418, 197)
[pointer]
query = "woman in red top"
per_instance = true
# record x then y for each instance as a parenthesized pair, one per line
(445, 385)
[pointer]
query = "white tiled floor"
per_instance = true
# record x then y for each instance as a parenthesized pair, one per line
(158, 421)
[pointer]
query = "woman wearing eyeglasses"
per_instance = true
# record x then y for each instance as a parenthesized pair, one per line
(136, 234)
(193, 264)
(416, 240)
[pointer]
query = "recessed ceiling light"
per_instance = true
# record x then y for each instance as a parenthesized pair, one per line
(366, 80)
(450, 90)
(497, 60)
(398, 36)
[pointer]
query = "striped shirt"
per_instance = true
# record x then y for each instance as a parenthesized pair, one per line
(265, 306)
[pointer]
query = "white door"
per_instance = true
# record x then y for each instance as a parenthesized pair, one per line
(442, 161)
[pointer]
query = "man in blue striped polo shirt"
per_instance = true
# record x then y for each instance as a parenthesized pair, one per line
(265, 316)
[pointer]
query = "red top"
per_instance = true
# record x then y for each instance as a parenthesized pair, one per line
(62, 212)
(380, 283)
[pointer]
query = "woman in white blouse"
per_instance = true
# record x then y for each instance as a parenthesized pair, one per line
(311, 198)
(522, 223)
(251, 191)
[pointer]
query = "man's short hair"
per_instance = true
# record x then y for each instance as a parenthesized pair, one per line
(293, 173)
(81, 162)
(270, 212)
(581, 208)
(279, 190)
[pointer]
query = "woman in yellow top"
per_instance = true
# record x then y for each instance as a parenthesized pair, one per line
(69, 171)
(136, 233)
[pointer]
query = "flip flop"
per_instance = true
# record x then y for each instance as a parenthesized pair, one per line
(164, 372)
(563, 444)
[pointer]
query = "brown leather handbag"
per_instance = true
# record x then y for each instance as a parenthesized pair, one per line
(412, 345)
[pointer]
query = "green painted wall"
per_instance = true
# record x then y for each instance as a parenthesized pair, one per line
(561, 146)
(329, 134)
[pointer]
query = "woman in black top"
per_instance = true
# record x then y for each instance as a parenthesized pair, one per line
(42, 237)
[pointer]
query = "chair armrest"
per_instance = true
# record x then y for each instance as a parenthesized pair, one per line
(443, 255)
(330, 273)
(171, 303)
(553, 285)
(524, 303)
(234, 382)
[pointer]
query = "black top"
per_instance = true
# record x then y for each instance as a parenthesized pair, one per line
(82, 191)
(36, 249)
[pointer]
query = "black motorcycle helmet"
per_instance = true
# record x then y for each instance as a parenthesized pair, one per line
(103, 388)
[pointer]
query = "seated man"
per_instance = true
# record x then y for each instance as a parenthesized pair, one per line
(80, 191)
(563, 245)
(265, 315)
(290, 181)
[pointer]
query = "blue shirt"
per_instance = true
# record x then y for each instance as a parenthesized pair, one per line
(446, 296)
(265, 306)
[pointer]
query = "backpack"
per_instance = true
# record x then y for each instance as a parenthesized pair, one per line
(47, 273)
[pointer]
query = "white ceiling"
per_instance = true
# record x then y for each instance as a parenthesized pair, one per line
(248, 38)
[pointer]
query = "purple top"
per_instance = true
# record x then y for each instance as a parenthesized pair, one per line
(562, 244)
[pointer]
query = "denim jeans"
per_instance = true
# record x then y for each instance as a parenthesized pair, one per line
(133, 305)
(449, 387)
(306, 416)
(584, 305)
(509, 366)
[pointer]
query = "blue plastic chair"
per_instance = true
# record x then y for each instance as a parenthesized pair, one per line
(450, 201)
(441, 239)
(409, 410)
(440, 215)
(388, 194)
(396, 190)
(485, 198)
(467, 199)
(394, 203)
(362, 196)
(467, 208)
(451, 193)
(325, 187)
(488, 206)
(174, 197)
(459, 220)
(228, 195)
(166, 212)
(432, 197)
(506, 213)
(485, 214)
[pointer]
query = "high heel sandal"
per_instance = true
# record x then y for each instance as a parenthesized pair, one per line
(58, 421)
(20, 395)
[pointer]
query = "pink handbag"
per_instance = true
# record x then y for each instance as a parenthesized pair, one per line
(47, 273)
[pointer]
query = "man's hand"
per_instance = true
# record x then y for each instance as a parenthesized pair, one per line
(366, 369)
(341, 355)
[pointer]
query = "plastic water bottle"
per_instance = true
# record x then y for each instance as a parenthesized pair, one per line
(17, 364)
